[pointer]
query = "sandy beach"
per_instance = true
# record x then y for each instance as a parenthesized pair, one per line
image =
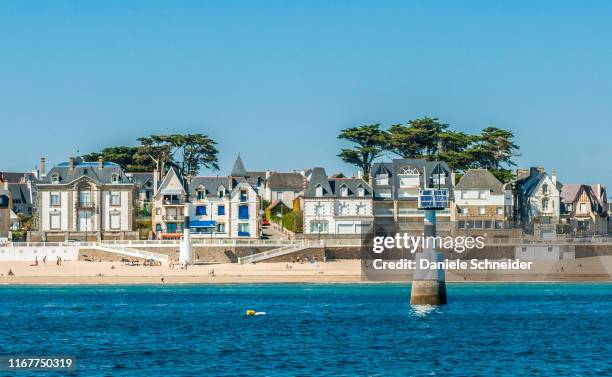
(340, 271)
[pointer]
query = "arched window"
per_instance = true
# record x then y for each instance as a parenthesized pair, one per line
(115, 178)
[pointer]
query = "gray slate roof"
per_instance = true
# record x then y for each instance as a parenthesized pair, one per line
(210, 185)
(17, 177)
(238, 170)
(22, 201)
(331, 186)
(141, 178)
(86, 169)
(286, 182)
(480, 179)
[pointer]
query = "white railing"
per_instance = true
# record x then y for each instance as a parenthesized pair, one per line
(300, 245)
(129, 251)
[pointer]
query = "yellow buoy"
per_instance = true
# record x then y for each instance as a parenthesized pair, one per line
(250, 312)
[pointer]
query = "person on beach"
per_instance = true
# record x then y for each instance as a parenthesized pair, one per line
(11, 273)
(162, 279)
(44, 259)
(212, 273)
(36, 261)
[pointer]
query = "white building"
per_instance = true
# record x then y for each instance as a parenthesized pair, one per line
(79, 199)
(479, 201)
(536, 201)
(337, 205)
(219, 207)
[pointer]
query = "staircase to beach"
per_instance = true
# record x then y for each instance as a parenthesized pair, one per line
(297, 246)
(127, 251)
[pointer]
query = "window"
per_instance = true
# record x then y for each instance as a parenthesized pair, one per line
(482, 194)
(200, 210)
(545, 189)
(115, 221)
(319, 209)
(409, 177)
(55, 221)
(243, 195)
(243, 230)
(278, 195)
(343, 191)
(243, 212)
(382, 179)
(201, 194)
(55, 199)
(221, 228)
(318, 227)
(343, 209)
(500, 210)
(221, 191)
(438, 180)
(582, 208)
(158, 227)
(115, 178)
(360, 191)
(361, 209)
(220, 210)
(84, 198)
(115, 198)
(158, 211)
(319, 191)
(482, 210)
(55, 178)
(545, 204)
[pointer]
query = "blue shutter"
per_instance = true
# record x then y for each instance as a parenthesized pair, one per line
(200, 210)
(243, 212)
(221, 210)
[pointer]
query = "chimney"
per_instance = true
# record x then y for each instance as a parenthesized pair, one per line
(553, 177)
(71, 163)
(100, 163)
(43, 167)
(453, 178)
(359, 173)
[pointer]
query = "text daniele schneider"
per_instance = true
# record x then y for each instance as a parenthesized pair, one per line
(459, 244)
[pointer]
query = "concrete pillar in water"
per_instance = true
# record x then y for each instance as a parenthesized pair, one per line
(428, 285)
(185, 250)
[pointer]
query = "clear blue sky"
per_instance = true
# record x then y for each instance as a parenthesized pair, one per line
(276, 81)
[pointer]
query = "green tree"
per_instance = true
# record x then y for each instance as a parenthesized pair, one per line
(129, 158)
(495, 150)
(195, 151)
(371, 142)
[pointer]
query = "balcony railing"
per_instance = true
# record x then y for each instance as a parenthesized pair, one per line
(172, 202)
(173, 217)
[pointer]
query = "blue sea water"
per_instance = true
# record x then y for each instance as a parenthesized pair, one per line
(312, 330)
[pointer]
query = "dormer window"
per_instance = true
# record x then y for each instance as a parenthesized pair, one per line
(343, 191)
(409, 176)
(115, 178)
(201, 194)
(360, 191)
(243, 195)
(55, 178)
(319, 190)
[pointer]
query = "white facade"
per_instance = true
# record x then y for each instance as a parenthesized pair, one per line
(233, 214)
(337, 215)
(85, 206)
